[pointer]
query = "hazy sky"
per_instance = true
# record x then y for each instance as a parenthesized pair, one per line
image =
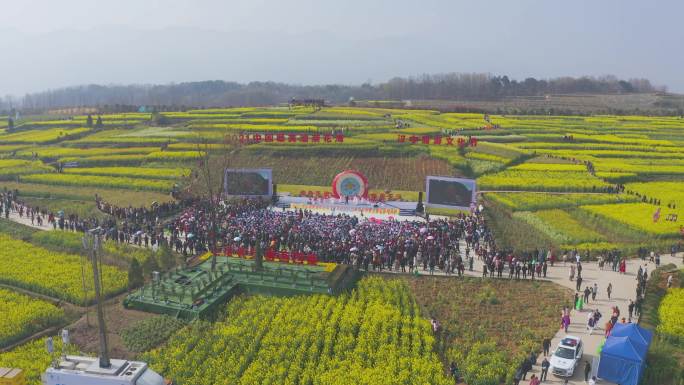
(49, 43)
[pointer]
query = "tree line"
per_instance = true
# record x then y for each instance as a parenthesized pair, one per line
(452, 86)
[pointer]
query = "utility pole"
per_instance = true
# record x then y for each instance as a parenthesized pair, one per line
(92, 241)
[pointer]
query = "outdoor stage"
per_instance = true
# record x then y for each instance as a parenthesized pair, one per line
(381, 210)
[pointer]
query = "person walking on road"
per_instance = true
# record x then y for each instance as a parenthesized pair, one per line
(565, 321)
(609, 289)
(544, 369)
(630, 309)
(572, 272)
(579, 282)
(587, 370)
(591, 322)
(546, 345)
(587, 292)
(594, 291)
(609, 327)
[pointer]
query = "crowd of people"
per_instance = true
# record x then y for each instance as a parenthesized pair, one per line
(143, 227)
(447, 246)
(374, 245)
(10, 203)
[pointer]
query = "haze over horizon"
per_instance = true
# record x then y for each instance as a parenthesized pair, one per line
(51, 45)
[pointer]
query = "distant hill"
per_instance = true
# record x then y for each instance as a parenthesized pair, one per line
(454, 92)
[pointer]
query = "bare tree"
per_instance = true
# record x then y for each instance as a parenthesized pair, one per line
(211, 170)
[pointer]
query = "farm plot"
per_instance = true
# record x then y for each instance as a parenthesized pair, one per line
(669, 193)
(52, 273)
(43, 136)
(47, 193)
(560, 226)
(132, 172)
(23, 316)
(11, 168)
(118, 137)
(374, 335)
(642, 217)
(252, 128)
(580, 181)
(476, 321)
(541, 201)
(100, 181)
(32, 358)
(51, 152)
(671, 314)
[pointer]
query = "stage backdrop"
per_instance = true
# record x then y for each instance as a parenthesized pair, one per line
(350, 183)
(445, 192)
(248, 182)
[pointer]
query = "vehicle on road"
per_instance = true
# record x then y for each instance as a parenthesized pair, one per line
(567, 356)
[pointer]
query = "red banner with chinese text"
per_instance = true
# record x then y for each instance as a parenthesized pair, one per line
(281, 137)
(470, 141)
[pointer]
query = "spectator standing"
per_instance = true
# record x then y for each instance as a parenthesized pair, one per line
(587, 292)
(526, 366)
(587, 370)
(518, 376)
(544, 369)
(534, 380)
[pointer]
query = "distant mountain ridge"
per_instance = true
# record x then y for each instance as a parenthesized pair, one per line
(444, 87)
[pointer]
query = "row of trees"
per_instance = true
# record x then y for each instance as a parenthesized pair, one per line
(486, 87)
(454, 86)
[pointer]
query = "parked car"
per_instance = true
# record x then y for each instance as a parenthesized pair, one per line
(567, 356)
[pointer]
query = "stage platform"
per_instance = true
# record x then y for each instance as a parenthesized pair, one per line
(381, 210)
(196, 291)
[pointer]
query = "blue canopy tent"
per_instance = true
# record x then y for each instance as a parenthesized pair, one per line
(624, 353)
(635, 333)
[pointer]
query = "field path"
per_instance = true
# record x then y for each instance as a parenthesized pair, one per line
(25, 220)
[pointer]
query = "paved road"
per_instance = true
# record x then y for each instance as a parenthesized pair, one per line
(14, 216)
(624, 288)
